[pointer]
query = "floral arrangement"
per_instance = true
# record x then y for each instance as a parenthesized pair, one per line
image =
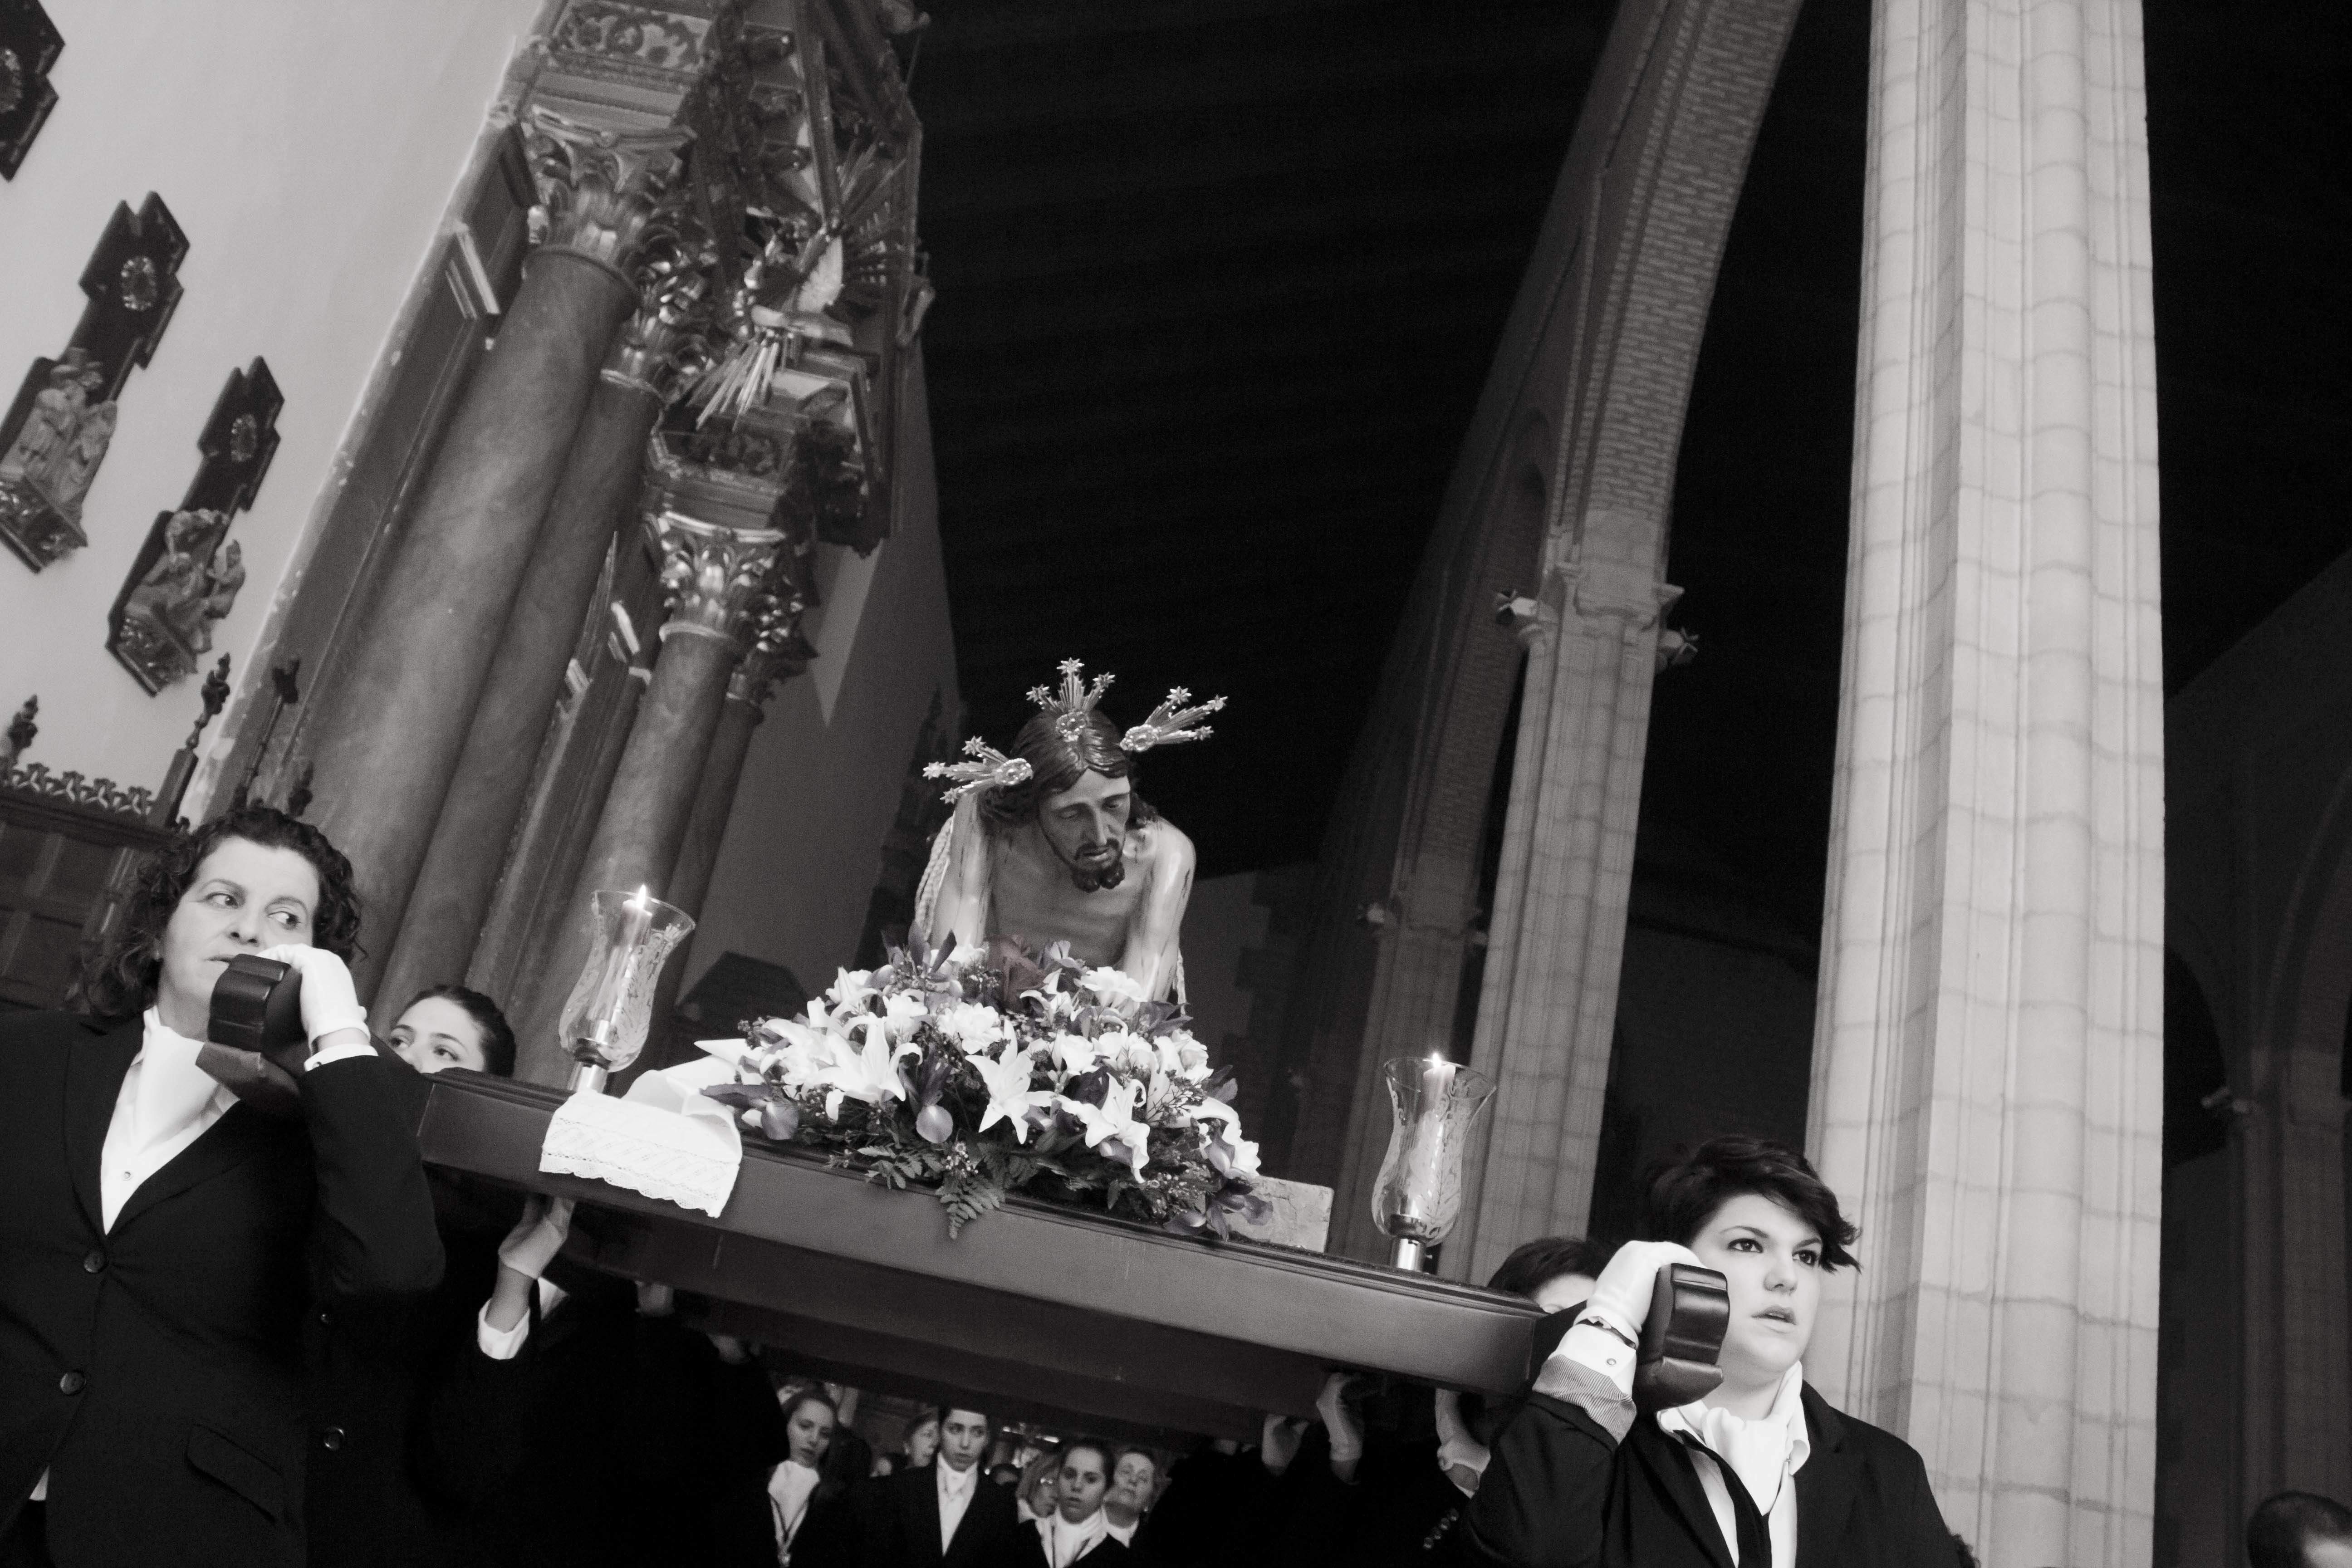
(1003, 1071)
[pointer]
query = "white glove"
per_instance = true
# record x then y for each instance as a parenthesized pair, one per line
(1338, 1421)
(330, 1001)
(1277, 1442)
(538, 1236)
(1621, 1297)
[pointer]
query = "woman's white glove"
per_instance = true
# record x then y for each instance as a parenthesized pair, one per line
(1278, 1440)
(1340, 1421)
(1460, 1456)
(538, 1236)
(330, 1001)
(1621, 1297)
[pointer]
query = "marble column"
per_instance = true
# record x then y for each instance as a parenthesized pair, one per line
(748, 691)
(719, 578)
(1547, 1010)
(1987, 1058)
(596, 496)
(386, 751)
(769, 660)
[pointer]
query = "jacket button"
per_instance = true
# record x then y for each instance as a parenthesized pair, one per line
(71, 1383)
(331, 1439)
(93, 1263)
(323, 1316)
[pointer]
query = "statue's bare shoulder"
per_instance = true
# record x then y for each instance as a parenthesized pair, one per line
(1160, 849)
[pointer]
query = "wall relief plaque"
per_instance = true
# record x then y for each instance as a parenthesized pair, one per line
(185, 578)
(57, 432)
(29, 45)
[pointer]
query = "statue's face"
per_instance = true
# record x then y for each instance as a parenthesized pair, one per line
(1086, 822)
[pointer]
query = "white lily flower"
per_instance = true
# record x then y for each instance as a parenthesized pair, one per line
(869, 1074)
(850, 987)
(1114, 1119)
(1010, 1097)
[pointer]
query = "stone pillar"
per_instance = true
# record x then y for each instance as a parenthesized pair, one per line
(770, 659)
(385, 753)
(748, 691)
(1548, 1012)
(595, 497)
(718, 576)
(1988, 1061)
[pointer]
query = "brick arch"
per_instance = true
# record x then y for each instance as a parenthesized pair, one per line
(1582, 412)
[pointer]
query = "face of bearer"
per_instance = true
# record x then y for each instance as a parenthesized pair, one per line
(244, 897)
(1772, 1262)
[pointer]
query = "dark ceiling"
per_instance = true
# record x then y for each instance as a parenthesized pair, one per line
(1219, 281)
(1218, 285)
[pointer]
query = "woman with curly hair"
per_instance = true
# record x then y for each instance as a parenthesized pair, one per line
(173, 1211)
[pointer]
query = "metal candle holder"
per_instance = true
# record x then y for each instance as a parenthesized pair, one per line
(1419, 1194)
(605, 1022)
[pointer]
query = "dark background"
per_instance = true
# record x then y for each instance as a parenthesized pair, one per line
(1219, 283)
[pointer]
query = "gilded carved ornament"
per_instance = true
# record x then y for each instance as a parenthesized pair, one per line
(714, 577)
(602, 193)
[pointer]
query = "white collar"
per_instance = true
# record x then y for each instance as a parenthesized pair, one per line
(1764, 1452)
(789, 1484)
(953, 1481)
(172, 1088)
(1066, 1543)
(1122, 1533)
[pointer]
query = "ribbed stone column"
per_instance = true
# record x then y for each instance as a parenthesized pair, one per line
(595, 497)
(386, 750)
(1548, 1012)
(1988, 1061)
(718, 577)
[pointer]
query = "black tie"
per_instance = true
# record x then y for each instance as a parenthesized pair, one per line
(1755, 1542)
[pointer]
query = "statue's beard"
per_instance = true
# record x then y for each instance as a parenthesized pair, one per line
(1092, 875)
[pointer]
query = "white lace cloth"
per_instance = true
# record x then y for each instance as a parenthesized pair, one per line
(666, 1140)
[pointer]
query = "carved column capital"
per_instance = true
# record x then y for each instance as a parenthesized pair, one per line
(713, 576)
(1530, 620)
(777, 653)
(601, 194)
(666, 337)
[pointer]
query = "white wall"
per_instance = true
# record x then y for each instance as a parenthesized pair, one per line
(823, 780)
(309, 151)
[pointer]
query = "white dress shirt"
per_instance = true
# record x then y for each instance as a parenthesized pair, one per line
(1066, 1543)
(1122, 1533)
(956, 1490)
(166, 1103)
(1766, 1453)
(505, 1345)
(790, 1487)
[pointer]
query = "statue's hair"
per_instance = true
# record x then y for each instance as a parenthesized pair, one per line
(1056, 763)
(117, 979)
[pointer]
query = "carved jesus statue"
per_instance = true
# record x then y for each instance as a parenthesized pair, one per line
(1053, 843)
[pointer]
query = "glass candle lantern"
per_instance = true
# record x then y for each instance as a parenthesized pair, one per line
(604, 1022)
(1419, 1194)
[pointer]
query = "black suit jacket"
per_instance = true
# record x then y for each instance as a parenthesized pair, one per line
(1559, 1493)
(898, 1524)
(155, 1370)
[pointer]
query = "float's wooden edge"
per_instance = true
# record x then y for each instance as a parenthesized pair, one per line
(1336, 1311)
